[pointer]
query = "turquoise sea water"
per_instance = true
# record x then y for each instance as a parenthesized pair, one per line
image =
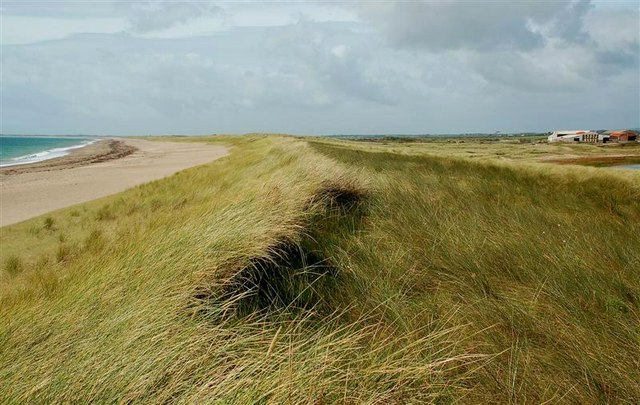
(637, 167)
(16, 150)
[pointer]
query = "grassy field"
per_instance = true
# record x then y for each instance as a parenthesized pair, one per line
(323, 271)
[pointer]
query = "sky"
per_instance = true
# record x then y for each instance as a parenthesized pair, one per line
(312, 67)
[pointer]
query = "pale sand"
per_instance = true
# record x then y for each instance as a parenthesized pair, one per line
(27, 194)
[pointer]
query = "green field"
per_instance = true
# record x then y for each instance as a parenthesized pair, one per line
(309, 270)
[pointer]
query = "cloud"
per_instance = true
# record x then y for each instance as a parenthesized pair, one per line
(568, 22)
(614, 61)
(511, 67)
(616, 34)
(58, 8)
(146, 16)
(98, 78)
(332, 56)
(142, 16)
(547, 71)
(541, 47)
(452, 25)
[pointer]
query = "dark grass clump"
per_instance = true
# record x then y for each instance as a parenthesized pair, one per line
(49, 223)
(344, 195)
(291, 278)
(95, 241)
(345, 204)
(13, 265)
(63, 253)
(105, 213)
(297, 275)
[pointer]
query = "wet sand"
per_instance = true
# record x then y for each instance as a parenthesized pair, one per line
(97, 170)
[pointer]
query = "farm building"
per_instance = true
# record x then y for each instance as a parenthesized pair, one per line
(576, 136)
(622, 136)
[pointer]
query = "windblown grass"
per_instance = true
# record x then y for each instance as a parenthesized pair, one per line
(297, 271)
(543, 264)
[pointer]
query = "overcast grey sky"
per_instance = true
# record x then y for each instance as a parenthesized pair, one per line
(357, 67)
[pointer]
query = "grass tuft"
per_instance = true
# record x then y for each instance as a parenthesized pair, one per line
(105, 213)
(13, 265)
(49, 223)
(95, 241)
(64, 252)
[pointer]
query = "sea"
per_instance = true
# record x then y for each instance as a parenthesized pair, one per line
(16, 150)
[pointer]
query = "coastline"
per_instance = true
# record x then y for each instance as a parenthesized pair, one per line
(45, 154)
(96, 170)
(42, 152)
(94, 152)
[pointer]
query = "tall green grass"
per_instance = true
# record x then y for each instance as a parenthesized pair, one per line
(297, 271)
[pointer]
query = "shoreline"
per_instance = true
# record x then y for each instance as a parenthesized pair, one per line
(97, 170)
(43, 155)
(97, 151)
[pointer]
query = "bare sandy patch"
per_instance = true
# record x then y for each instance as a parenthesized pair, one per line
(96, 171)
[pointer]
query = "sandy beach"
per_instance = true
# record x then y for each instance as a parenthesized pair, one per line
(100, 169)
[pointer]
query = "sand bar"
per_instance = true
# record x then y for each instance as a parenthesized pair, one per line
(98, 170)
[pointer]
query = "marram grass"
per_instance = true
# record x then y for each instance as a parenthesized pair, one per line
(311, 271)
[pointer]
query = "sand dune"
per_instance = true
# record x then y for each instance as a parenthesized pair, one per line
(32, 190)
